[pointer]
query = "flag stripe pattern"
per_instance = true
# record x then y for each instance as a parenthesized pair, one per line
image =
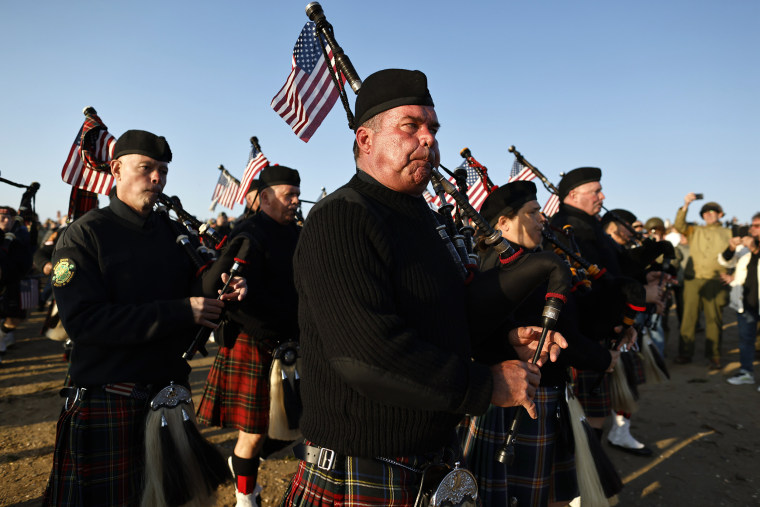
(520, 173)
(226, 190)
(476, 189)
(256, 162)
(87, 165)
(309, 92)
(552, 206)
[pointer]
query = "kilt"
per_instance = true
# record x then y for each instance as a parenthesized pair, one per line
(542, 472)
(237, 388)
(360, 482)
(593, 396)
(99, 452)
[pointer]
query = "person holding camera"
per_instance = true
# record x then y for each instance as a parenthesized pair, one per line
(743, 253)
(703, 288)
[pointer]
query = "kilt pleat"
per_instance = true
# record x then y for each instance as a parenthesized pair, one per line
(99, 453)
(237, 388)
(542, 471)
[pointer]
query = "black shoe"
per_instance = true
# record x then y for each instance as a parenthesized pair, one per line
(644, 451)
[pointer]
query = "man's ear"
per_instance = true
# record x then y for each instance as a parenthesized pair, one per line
(364, 139)
(116, 168)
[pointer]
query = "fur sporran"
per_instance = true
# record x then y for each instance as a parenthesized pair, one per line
(284, 393)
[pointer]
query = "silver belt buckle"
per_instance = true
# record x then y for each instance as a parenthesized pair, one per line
(326, 459)
(80, 390)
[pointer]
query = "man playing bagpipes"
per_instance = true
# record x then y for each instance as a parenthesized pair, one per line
(237, 393)
(543, 471)
(581, 196)
(385, 338)
(129, 298)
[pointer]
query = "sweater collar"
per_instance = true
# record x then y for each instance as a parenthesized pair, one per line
(121, 210)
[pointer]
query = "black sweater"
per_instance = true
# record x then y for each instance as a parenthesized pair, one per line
(122, 286)
(384, 338)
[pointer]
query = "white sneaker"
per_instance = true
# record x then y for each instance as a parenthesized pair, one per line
(249, 500)
(743, 377)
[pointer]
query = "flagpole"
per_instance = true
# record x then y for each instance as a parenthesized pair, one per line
(317, 15)
(547, 184)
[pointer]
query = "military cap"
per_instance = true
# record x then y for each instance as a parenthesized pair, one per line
(711, 206)
(7, 210)
(623, 214)
(654, 223)
(507, 199)
(141, 142)
(389, 88)
(576, 178)
(279, 175)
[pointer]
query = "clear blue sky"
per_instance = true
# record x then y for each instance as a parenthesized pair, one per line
(662, 95)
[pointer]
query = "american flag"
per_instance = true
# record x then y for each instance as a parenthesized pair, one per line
(520, 172)
(87, 164)
(309, 92)
(476, 189)
(256, 162)
(226, 190)
(551, 206)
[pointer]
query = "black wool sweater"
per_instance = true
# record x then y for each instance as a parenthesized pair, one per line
(384, 338)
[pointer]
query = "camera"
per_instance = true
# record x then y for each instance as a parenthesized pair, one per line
(699, 196)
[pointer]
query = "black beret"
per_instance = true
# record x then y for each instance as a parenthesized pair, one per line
(507, 199)
(622, 214)
(141, 142)
(254, 186)
(711, 206)
(389, 88)
(576, 178)
(8, 210)
(279, 175)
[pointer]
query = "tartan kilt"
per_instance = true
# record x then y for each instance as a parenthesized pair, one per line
(593, 396)
(237, 388)
(361, 482)
(543, 470)
(638, 366)
(99, 452)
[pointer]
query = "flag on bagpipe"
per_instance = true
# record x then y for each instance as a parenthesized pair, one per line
(520, 172)
(256, 162)
(309, 92)
(552, 205)
(476, 188)
(226, 190)
(87, 166)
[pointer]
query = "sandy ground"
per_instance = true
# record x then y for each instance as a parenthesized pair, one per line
(706, 433)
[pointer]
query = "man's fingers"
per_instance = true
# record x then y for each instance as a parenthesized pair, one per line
(530, 407)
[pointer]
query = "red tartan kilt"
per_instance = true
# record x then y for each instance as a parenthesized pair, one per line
(99, 452)
(357, 483)
(593, 396)
(237, 388)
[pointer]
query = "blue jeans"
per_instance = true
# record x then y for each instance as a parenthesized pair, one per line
(747, 324)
